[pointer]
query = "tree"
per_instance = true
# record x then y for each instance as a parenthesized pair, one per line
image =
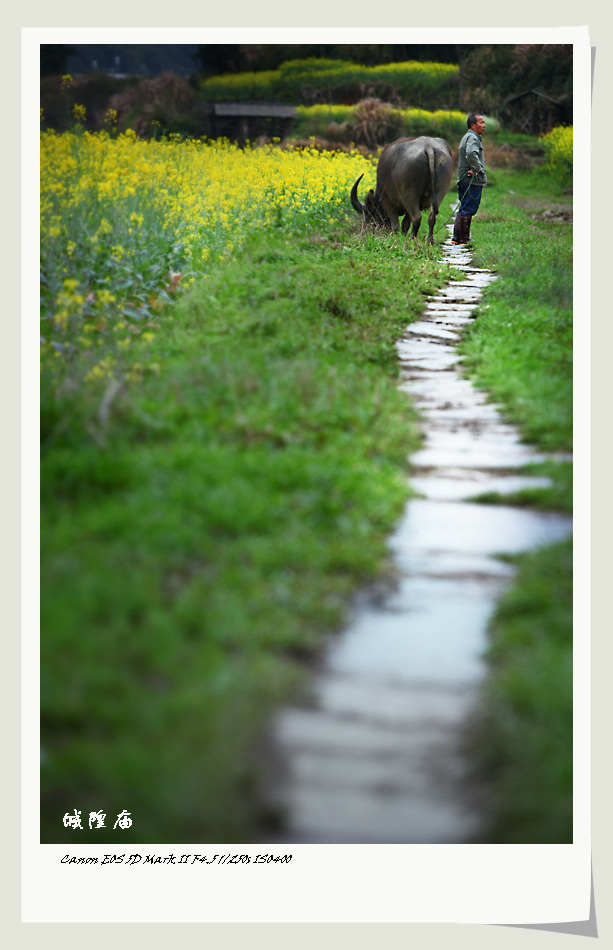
(493, 74)
(214, 59)
(54, 59)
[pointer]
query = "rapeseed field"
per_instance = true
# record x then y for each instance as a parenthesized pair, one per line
(126, 223)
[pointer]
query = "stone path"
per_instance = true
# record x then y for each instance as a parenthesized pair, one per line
(371, 753)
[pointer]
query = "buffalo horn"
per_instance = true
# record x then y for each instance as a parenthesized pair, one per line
(355, 201)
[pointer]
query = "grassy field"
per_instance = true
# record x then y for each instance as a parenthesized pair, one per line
(224, 451)
(521, 352)
(214, 489)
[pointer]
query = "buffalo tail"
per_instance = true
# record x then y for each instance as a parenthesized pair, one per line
(432, 164)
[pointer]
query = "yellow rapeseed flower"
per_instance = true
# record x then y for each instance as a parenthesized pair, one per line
(130, 209)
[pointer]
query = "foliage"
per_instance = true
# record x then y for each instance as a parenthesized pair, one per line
(93, 92)
(54, 58)
(259, 85)
(558, 145)
(215, 59)
(224, 452)
(373, 122)
(121, 216)
(522, 352)
(314, 81)
(493, 73)
(301, 74)
(161, 101)
(220, 467)
(166, 100)
(523, 748)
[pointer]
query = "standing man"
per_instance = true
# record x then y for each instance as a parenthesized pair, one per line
(471, 177)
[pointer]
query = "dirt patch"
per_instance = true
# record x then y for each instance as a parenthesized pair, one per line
(554, 216)
(506, 156)
(532, 204)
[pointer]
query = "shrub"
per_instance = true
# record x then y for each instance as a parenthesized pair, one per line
(163, 98)
(240, 86)
(314, 81)
(306, 67)
(376, 123)
(558, 145)
(372, 122)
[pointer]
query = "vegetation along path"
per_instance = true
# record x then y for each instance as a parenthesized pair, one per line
(224, 454)
(375, 751)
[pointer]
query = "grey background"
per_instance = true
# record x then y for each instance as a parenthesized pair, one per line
(357, 13)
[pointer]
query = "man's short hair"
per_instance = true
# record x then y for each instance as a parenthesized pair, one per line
(472, 118)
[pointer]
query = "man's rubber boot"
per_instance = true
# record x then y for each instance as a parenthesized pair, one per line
(461, 229)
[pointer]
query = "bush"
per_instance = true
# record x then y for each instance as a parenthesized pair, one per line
(558, 145)
(375, 123)
(240, 86)
(314, 81)
(306, 67)
(95, 93)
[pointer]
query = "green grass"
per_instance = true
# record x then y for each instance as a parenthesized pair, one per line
(522, 750)
(203, 533)
(557, 497)
(520, 350)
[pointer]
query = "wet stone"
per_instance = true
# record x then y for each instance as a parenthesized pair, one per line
(443, 305)
(451, 318)
(425, 355)
(445, 485)
(434, 385)
(455, 294)
(458, 452)
(465, 528)
(428, 329)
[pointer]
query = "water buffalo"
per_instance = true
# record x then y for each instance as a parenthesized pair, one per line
(412, 174)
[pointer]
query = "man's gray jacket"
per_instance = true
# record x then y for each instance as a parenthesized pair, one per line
(471, 156)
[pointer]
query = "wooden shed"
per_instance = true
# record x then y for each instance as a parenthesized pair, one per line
(534, 113)
(241, 121)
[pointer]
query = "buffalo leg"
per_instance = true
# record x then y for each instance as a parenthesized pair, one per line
(431, 223)
(394, 220)
(391, 213)
(412, 217)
